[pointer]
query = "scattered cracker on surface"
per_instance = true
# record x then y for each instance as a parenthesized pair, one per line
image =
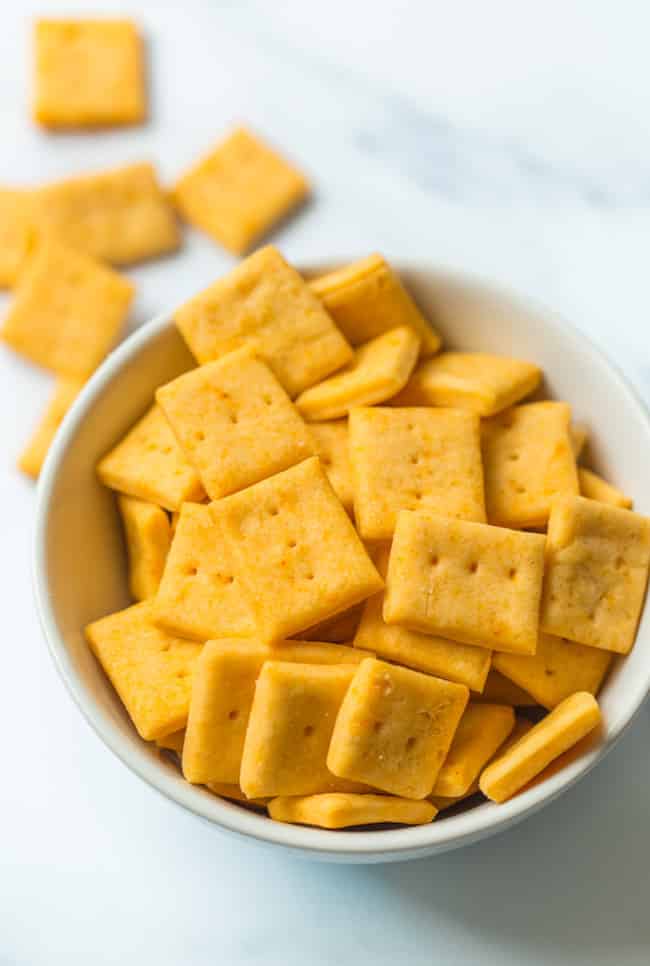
(594, 487)
(149, 464)
(17, 233)
(148, 536)
(290, 727)
(461, 663)
(483, 383)
(150, 670)
(367, 298)
(342, 810)
(265, 303)
(558, 669)
(395, 728)
(33, 456)
(200, 594)
(331, 441)
(563, 727)
(481, 732)
(120, 215)
(597, 559)
(379, 370)
(528, 460)
(296, 552)
(469, 582)
(67, 311)
(234, 422)
(414, 459)
(88, 73)
(239, 191)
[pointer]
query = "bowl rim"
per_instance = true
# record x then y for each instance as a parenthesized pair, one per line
(399, 843)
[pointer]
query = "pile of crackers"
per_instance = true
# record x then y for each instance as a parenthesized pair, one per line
(371, 580)
(61, 243)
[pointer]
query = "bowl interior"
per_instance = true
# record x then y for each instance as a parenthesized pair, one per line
(80, 563)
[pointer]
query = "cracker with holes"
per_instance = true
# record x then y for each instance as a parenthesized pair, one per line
(147, 533)
(558, 668)
(481, 732)
(150, 669)
(222, 696)
(67, 311)
(234, 422)
(414, 459)
(16, 233)
(528, 459)
(594, 487)
(342, 810)
(462, 663)
(295, 551)
(239, 191)
(469, 582)
(596, 573)
(379, 370)
(331, 442)
(483, 383)
(33, 456)
(149, 464)
(290, 727)
(566, 724)
(89, 73)
(264, 303)
(200, 594)
(395, 728)
(121, 215)
(367, 298)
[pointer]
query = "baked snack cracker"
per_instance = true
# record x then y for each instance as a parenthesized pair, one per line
(342, 810)
(16, 233)
(594, 487)
(480, 733)
(33, 456)
(331, 442)
(147, 533)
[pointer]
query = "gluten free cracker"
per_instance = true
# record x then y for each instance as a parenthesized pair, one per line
(150, 669)
(414, 459)
(265, 303)
(379, 370)
(469, 582)
(234, 422)
(367, 298)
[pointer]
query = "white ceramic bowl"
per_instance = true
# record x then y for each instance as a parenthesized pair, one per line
(80, 567)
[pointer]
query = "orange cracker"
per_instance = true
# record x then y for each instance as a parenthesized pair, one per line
(342, 810)
(147, 533)
(33, 456)
(16, 233)
(331, 441)
(481, 732)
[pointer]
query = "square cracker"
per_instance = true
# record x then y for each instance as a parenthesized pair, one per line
(501, 690)
(450, 660)
(558, 668)
(483, 383)
(150, 670)
(67, 310)
(149, 464)
(331, 440)
(222, 697)
(342, 627)
(481, 732)
(16, 232)
(379, 370)
(264, 303)
(414, 459)
(33, 456)
(200, 593)
(148, 535)
(89, 73)
(239, 191)
(594, 487)
(528, 459)
(296, 552)
(395, 728)
(562, 728)
(121, 215)
(290, 727)
(469, 582)
(367, 298)
(345, 809)
(597, 559)
(234, 422)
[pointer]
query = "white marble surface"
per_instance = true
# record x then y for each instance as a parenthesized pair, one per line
(506, 138)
